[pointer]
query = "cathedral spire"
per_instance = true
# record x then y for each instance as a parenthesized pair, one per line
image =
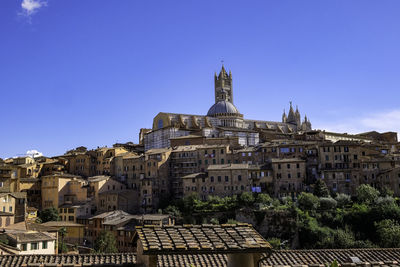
(223, 86)
(284, 118)
(222, 73)
(291, 117)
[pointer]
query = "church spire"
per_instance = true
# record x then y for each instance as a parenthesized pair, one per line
(223, 86)
(291, 117)
(284, 118)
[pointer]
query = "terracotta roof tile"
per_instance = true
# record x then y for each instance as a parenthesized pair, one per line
(298, 258)
(201, 239)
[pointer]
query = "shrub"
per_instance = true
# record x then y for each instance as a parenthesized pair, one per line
(327, 203)
(389, 233)
(367, 194)
(343, 200)
(105, 243)
(264, 199)
(320, 189)
(274, 242)
(246, 199)
(214, 221)
(307, 201)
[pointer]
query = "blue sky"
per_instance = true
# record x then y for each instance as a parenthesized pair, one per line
(94, 72)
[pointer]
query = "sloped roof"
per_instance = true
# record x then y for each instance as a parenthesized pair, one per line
(29, 236)
(304, 258)
(198, 239)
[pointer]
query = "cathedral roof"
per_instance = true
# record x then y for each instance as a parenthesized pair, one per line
(222, 106)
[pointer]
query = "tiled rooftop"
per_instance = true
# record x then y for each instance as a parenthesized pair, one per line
(206, 238)
(322, 256)
(67, 260)
(29, 236)
(315, 258)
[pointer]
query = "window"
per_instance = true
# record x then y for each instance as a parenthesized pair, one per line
(193, 180)
(226, 179)
(10, 209)
(214, 161)
(24, 247)
(44, 244)
(206, 161)
(288, 166)
(222, 151)
(160, 123)
(34, 246)
(355, 156)
(239, 177)
(289, 176)
(212, 178)
(279, 166)
(297, 165)
(284, 150)
(326, 157)
(222, 161)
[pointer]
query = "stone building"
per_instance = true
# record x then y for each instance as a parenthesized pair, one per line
(225, 180)
(223, 119)
(289, 176)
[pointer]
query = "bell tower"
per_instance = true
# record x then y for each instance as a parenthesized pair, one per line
(223, 86)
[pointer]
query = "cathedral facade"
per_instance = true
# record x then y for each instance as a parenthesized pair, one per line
(223, 119)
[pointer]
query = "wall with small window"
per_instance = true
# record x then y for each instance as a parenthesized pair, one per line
(37, 247)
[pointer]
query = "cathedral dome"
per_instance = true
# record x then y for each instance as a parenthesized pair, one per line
(222, 107)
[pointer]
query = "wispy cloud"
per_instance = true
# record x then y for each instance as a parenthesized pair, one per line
(382, 121)
(34, 153)
(30, 7)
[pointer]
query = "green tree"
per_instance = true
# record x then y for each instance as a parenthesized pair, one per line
(50, 214)
(344, 238)
(389, 233)
(387, 191)
(105, 243)
(173, 211)
(190, 203)
(275, 242)
(343, 200)
(320, 189)
(62, 248)
(367, 194)
(327, 203)
(246, 199)
(307, 201)
(264, 199)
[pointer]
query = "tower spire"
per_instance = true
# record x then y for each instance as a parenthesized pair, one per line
(223, 85)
